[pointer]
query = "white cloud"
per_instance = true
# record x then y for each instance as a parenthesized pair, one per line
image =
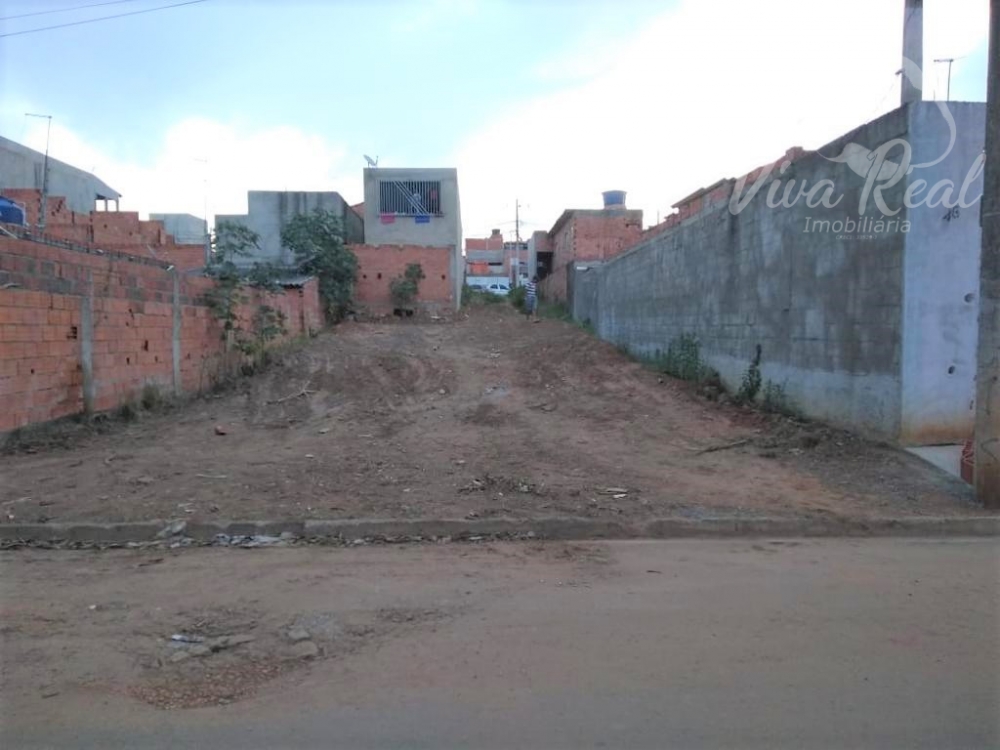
(705, 91)
(200, 156)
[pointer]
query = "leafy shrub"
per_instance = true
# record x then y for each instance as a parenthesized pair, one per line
(405, 288)
(751, 384)
(517, 296)
(317, 242)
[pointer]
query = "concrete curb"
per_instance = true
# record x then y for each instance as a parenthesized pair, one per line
(561, 528)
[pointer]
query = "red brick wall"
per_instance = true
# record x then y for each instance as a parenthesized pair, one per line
(42, 328)
(116, 230)
(604, 237)
(380, 264)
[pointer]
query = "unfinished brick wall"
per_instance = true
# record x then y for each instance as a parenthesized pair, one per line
(81, 331)
(380, 264)
(109, 230)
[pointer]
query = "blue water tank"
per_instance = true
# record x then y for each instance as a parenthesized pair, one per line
(614, 198)
(10, 212)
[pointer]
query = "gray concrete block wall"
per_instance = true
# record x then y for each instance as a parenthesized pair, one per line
(825, 310)
(941, 303)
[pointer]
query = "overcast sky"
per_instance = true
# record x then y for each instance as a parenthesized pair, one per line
(546, 101)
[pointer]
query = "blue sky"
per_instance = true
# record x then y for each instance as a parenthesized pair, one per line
(549, 101)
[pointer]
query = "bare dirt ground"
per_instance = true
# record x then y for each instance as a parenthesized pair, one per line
(486, 416)
(87, 626)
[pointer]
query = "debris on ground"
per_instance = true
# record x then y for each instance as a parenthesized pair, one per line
(172, 529)
(298, 634)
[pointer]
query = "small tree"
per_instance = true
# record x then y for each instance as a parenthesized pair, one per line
(229, 242)
(404, 289)
(317, 242)
(232, 241)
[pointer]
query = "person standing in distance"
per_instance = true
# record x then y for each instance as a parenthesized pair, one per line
(531, 299)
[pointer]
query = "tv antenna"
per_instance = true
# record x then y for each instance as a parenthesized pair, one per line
(45, 170)
(948, 60)
(371, 162)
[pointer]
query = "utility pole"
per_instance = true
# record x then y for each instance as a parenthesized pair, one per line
(987, 435)
(45, 172)
(949, 60)
(517, 241)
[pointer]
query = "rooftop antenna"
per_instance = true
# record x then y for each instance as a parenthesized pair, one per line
(45, 170)
(948, 60)
(371, 162)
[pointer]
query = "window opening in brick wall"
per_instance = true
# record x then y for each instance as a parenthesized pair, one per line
(73, 332)
(409, 197)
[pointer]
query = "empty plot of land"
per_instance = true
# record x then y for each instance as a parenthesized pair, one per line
(485, 416)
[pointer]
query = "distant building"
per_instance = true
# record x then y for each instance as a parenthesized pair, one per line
(495, 257)
(484, 256)
(268, 211)
(23, 168)
(416, 208)
(540, 254)
(187, 229)
(588, 235)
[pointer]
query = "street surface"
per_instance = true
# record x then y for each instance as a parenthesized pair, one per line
(793, 644)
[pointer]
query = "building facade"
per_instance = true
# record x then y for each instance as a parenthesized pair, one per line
(268, 211)
(416, 208)
(23, 168)
(586, 235)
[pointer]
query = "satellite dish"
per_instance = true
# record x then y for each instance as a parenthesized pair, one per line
(371, 162)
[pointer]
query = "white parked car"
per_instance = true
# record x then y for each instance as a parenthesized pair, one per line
(501, 288)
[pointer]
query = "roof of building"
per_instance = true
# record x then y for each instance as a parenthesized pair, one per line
(571, 212)
(484, 243)
(102, 191)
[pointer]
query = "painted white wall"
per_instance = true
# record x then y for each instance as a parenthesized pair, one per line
(941, 283)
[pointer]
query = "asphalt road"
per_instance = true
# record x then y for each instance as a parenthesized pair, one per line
(684, 644)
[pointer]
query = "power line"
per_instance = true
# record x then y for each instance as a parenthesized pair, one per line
(64, 10)
(102, 18)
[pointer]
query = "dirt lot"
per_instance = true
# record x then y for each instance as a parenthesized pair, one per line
(486, 416)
